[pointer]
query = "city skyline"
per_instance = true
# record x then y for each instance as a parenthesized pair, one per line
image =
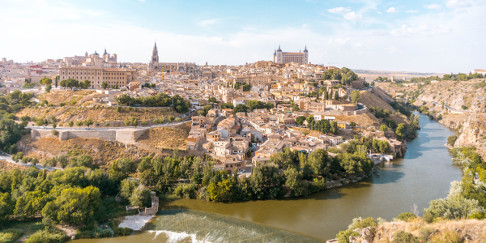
(424, 36)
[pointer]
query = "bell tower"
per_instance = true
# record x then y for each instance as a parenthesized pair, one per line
(155, 57)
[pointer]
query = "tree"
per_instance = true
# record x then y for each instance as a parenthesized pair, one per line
(88, 122)
(85, 84)
(400, 131)
(383, 128)
(355, 94)
(6, 205)
(336, 95)
(300, 120)
(104, 85)
(294, 183)
(212, 100)
(121, 168)
(74, 206)
(141, 197)
(240, 108)
(48, 88)
(46, 81)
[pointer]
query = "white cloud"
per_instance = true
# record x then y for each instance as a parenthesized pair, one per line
(391, 10)
(352, 16)
(339, 10)
(433, 6)
(412, 11)
(208, 22)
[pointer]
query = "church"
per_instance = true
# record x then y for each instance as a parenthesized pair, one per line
(169, 67)
(281, 57)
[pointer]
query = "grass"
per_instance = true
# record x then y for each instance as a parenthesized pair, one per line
(24, 228)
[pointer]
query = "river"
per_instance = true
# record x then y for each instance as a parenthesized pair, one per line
(422, 175)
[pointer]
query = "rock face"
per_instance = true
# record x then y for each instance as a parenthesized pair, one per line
(459, 105)
(474, 132)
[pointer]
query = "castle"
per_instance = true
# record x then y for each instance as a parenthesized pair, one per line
(288, 57)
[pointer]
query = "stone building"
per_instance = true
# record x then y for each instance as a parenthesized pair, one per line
(115, 77)
(281, 57)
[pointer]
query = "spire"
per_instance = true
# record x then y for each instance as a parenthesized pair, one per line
(305, 49)
(105, 52)
(279, 48)
(155, 55)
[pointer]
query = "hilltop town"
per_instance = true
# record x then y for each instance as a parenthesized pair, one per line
(238, 115)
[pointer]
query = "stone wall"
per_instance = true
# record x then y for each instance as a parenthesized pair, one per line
(126, 136)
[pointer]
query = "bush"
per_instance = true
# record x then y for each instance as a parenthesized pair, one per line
(343, 236)
(55, 133)
(45, 236)
(451, 140)
(93, 233)
(403, 237)
(10, 236)
(424, 234)
(445, 237)
(406, 216)
(122, 231)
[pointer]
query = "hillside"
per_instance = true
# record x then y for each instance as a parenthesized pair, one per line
(98, 114)
(167, 137)
(470, 230)
(459, 105)
(102, 151)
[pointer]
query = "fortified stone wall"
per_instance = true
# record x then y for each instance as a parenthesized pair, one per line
(126, 136)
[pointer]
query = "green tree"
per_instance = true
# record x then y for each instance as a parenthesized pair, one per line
(401, 131)
(355, 94)
(46, 81)
(104, 85)
(240, 108)
(127, 187)
(300, 120)
(141, 197)
(48, 88)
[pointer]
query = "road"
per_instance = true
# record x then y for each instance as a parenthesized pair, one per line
(8, 158)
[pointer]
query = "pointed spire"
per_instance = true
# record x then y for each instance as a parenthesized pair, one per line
(305, 49)
(105, 52)
(279, 48)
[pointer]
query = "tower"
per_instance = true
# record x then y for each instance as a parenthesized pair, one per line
(155, 57)
(306, 55)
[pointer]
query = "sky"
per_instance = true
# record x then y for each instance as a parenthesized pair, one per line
(402, 35)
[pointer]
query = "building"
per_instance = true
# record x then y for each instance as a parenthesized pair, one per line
(287, 57)
(92, 60)
(115, 77)
(169, 67)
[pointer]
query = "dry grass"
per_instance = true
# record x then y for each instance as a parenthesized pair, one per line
(97, 114)
(102, 151)
(470, 230)
(67, 96)
(7, 166)
(370, 99)
(167, 137)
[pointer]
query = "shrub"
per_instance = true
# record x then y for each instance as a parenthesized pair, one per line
(122, 231)
(55, 133)
(451, 140)
(446, 236)
(406, 216)
(93, 233)
(45, 236)
(425, 233)
(343, 236)
(403, 237)
(10, 236)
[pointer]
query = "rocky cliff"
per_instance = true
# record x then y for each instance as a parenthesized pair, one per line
(459, 105)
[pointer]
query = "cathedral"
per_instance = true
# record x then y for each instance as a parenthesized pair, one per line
(287, 57)
(168, 67)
